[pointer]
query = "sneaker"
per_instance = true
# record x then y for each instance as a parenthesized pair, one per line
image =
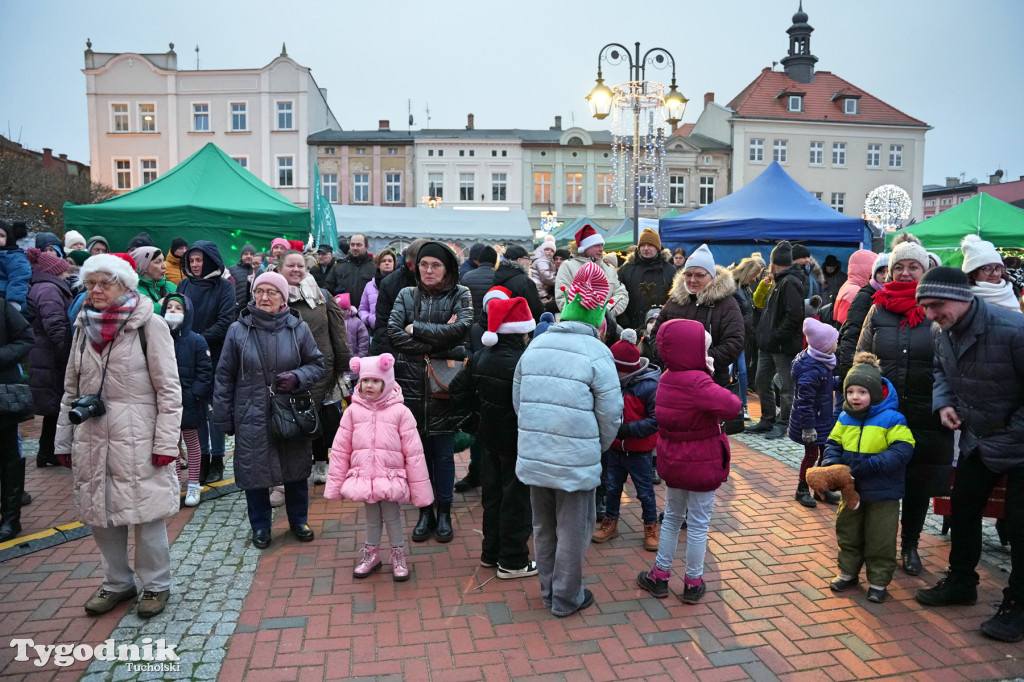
(192, 496)
(778, 431)
(399, 569)
(841, 585)
(760, 427)
(608, 530)
(105, 600)
(153, 603)
(950, 590)
(369, 561)
(877, 594)
(487, 563)
(1008, 623)
(277, 496)
(530, 569)
(651, 537)
(588, 601)
(319, 472)
(656, 586)
(693, 593)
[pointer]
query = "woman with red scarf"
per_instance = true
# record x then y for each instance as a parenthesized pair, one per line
(897, 331)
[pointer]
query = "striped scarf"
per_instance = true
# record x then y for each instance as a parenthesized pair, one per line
(101, 326)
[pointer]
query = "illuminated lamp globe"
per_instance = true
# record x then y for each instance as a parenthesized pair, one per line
(600, 100)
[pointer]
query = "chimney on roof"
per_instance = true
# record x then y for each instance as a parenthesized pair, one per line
(558, 123)
(709, 97)
(47, 154)
(952, 181)
(384, 124)
(469, 121)
(64, 158)
(995, 178)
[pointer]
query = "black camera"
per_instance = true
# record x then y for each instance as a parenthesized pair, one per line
(86, 407)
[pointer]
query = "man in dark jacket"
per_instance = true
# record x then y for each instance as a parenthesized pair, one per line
(351, 274)
(243, 272)
(979, 372)
(388, 291)
(779, 339)
(481, 278)
(835, 278)
(513, 274)
(214, 300)
(325, 264)
(647, 276)
(473, 262)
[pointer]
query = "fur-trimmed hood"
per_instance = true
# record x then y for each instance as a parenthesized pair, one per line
(721, 287)
(817, 272)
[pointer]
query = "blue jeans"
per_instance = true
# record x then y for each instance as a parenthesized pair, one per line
(440, 454)
(695, 509)
(638, 467)
(739, 370)
(296, 503)
(211, 440)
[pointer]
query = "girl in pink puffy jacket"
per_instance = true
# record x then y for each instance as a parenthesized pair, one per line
(377, 458)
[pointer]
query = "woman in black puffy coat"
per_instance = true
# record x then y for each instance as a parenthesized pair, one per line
(432, 319)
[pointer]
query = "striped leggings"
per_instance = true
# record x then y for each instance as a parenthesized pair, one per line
(191, 438)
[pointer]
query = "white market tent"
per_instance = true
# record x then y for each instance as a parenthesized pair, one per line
(397, 226)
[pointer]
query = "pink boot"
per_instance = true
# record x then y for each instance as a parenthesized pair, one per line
(399, 571)
(368, 562)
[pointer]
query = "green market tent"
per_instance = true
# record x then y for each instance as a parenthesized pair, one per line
(991, 219)
(620, 237)
(207, 196)
(567, 231)
(671, 213)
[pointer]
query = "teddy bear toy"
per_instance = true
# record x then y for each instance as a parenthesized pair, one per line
(835, 477)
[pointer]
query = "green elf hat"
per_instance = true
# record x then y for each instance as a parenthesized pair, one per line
(587, 297)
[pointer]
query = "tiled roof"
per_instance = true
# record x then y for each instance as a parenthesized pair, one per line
(683, 130)
(765, 98)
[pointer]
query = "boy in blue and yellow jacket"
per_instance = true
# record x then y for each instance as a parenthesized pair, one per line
(871, 438)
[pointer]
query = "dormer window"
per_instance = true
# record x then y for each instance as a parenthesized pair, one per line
(850, 106)
(796, 103)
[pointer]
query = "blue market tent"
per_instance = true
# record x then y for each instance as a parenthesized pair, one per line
(772, 207)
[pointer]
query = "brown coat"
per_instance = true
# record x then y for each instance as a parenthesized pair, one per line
(327, 324)
(115, 482)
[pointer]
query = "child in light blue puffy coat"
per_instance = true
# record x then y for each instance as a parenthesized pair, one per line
(15, 271)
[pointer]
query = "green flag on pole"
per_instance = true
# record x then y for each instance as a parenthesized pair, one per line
(325, 230)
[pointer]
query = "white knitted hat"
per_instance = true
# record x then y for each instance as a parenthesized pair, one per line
(978, 252)
(701, 258)
(908, 247)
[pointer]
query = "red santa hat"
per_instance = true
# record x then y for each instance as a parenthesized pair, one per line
(586, 237)
(510, 316)
(497, 292)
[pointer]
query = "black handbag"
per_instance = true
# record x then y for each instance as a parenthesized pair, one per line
(736, 424)
(16, 401)
(292, 416)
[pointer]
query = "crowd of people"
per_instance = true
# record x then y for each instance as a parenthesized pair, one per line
(564, 372)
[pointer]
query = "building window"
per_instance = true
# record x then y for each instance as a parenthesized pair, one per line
(361, 188)
(499, 186)
(574, 188)
(779, 151)
(929, 202)
(284, 116)
(120, 114)
(796, 103)
(242, 161)
(392, 151)
(440, 152)
(329, 187)
(123, 174)
(605, 188)
(677, 190)
(462, 152)
(646, 189)
(757, 150)
(817, 195)
(874, 155)
(201, 118)
(707, 189)
(361, 151)
(328, 151)
(147, 118)
(850, 106)
(838, 201)
(393, 188)
(285, 171)
(947, 201)
(435, 184)
(148, 170)
(239, 117)
(708, 160)
(838, 153)
(430, 152)
(542, 188)
(962, 199)
(895, 156)
(504, 152)
(817, 153)
(494, 152)
(472, 152)
(466, 181)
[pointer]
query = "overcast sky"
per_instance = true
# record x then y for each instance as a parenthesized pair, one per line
(957, 66)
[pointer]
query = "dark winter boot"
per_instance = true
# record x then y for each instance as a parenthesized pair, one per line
(1008, 623)
(425, 526)
(216, 471)
(803, 496)
(910, 558)
(953, 589)
(443, 532)
(12, 484)
(204, 468)
(655, 478)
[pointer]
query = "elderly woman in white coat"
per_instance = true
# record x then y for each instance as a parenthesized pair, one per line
(118, 432)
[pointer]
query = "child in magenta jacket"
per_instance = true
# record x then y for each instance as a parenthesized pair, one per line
(693, 453)
(377, 458)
